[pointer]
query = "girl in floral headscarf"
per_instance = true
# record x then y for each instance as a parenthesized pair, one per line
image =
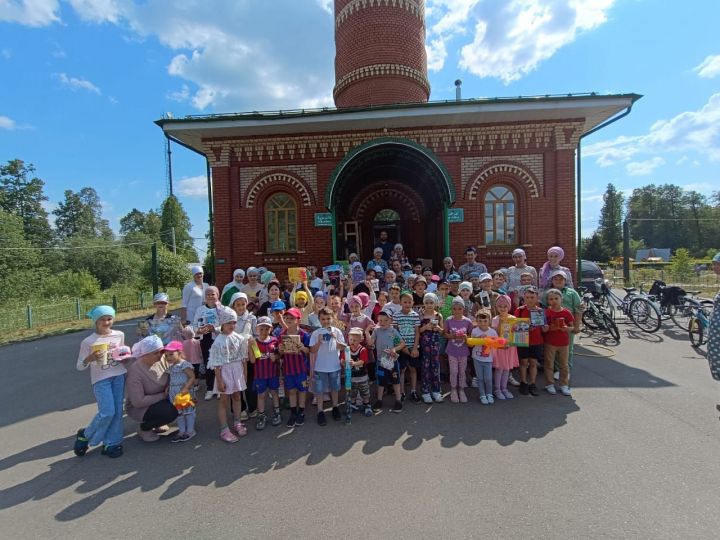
(555, 254)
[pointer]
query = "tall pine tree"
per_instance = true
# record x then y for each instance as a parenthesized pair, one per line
(21, 194)
(611, 215)
(173, 217)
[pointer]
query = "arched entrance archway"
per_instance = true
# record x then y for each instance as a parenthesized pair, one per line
(399, 176)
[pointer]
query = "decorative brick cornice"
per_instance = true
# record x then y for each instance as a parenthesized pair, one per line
(380, 70)
(414, 7)
(389, 193)
(503, 168)
(294, 182)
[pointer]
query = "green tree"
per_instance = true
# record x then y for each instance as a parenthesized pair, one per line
(172, 270)
(611, 215)
(173, 217)
(71, 284)
(20, 262)
(681, 265)
(594, 249)
(21, 194)
(136, 221)
(108, 261)
(80, 215)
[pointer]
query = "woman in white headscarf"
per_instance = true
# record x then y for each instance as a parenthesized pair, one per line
(193, 295)
(234, 286)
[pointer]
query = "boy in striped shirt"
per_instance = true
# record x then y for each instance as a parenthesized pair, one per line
(267, 373)
(295, 366)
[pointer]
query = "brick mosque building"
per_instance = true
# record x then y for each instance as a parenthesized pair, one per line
(293, 188)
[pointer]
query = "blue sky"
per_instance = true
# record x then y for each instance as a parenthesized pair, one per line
(83, 81)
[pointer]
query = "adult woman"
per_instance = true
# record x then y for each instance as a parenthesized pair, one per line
(572, 302)
(448, 268)
(162, 323)
(377, 260)
(274, 291)
(253, 287)
(514, 272)
(555, 254)
(193, 295)
(398, 254)
(206, 329)
(147, 383)
(713, 351)
(234, 286)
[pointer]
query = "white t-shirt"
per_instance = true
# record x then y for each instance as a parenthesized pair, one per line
(328, 355)
(481, 353)
(97, 373)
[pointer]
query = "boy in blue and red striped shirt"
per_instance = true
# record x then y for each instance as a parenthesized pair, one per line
(295, 365)
(267, 373)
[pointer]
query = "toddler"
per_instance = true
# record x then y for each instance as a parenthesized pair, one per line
(504, 358)
(182, 381)
(482, 358)
(387, 342)
(358, 370)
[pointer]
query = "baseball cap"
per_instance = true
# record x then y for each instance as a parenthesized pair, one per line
(485, 276)
(356, 331)
(277, 305)
(174, 346)
(558, 272)
(454, 277)
(294, 312)
(161, 297)
(264, 321)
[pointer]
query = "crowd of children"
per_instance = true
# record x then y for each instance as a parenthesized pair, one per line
(260, 341)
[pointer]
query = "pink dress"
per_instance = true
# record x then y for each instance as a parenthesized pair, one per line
(504, 358)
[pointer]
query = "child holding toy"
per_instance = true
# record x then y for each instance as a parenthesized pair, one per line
(482, 356)
(504, 358)
(180, 390)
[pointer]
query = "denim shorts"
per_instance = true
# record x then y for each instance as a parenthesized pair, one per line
(327, 382)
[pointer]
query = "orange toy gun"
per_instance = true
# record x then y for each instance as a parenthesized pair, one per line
(489, 341)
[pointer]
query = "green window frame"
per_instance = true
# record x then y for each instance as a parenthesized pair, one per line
(500, 215)
(281, 223)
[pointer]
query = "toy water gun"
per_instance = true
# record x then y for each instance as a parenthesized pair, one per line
(488, 341)
(255, 349)
(183, 401)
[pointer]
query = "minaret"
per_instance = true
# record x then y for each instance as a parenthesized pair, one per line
(380, 52)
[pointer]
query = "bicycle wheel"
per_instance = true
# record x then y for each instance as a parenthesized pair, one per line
(696, 332)
(644, 314)
(611, 327)
(680, 314)
(589, 319)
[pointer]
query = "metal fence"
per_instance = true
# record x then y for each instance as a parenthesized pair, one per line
(31, 316)
(706, 281)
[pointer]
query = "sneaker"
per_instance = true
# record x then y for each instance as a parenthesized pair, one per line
(556, 375)
(490, 399)
(244, 416)
(276, 419)
(188, 436)
(368, 410)
(483, 400)
(81, 443)
(513, 381)
(378, 405)
(177, 438)
(240, 428)
(261, 422)
(208, 395)
(253, 414)
(227, 436)
(321, 420)
(427, 398)
(524, 388)
(397, 408)
(462, 396)
(508, 394)
(437, 397)
(533, 390)
(454, 396)
(217, 395)
(336, 414)
(550, 389)
(499, 395)
(291, 421)
(112, 450)
(565, 390)
(414, 396)
(300, 420)
(148, 436)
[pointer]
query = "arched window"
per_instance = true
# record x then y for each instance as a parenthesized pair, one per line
(500, 215)
(280, 223)
(387, 214)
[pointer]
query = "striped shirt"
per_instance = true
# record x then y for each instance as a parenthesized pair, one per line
(265, 368)
(406, 323)
(296, 363)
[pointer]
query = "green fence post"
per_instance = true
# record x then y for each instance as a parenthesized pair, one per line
(77, 309)
(114, 302)
(29, 317)
(142, 300)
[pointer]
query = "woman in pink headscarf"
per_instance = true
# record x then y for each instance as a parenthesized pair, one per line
(555, 254)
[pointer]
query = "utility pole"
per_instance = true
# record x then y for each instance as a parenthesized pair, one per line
(626, 250)
(172, 230)
(154, 259)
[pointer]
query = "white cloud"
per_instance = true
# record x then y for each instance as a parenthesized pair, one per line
(77, 83)
(30, 12)
(327, 5)
(643, 168)
(193, 186)
(7, 123)
(181, 95)
(709, 68)
(97, 10)
(690, 131)
(509, 39)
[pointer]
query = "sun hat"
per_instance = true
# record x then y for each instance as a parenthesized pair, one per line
(174, 346)
(264, 321)
(100, 311)
(147, 345)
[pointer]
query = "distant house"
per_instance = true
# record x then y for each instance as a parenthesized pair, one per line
(653, 255)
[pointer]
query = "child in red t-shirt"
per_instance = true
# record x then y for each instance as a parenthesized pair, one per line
(558, 324)
(530, 356)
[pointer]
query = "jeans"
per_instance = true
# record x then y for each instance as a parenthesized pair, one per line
(484, 374)
(107, 426)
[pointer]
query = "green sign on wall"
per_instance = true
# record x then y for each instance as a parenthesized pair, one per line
(323, 219)
(456, 215)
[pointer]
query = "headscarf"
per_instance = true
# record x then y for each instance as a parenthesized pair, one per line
(266, 277)
(355, 300)
(147, 345)
(465, 285)
(364, 299)
(197, 269)
(302, 294)
(547, 268)
(237, 296)
(100, 311)
(503, 299)
(431, 296)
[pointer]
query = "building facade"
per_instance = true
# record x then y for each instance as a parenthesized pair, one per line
(293, 188)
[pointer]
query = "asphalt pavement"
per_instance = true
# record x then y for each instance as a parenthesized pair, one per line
(633, 454)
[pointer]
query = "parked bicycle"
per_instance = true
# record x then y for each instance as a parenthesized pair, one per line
(635, 306)
(595, 317)
(678, 304)
(698, 327)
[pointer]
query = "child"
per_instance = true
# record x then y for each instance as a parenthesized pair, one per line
(407, 323)
(247, 326)
(277, 310)
(486, 298)
(228, 355)
(431, 326)
(326, 342)
(505, 358)
(457, 328)
(107, 376)
(303, 300)
(465, 292)
(387, 342)
(318, 304)
(559, 323)
(393, 306)
(382, 300)
(482, 358)
(182, 380)
(357, 319)
(267, 373)
(530, 356)
(419, 288)
(526, 280)
(358, 366)
(498, 278)
(206, 330)
(295, 367)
